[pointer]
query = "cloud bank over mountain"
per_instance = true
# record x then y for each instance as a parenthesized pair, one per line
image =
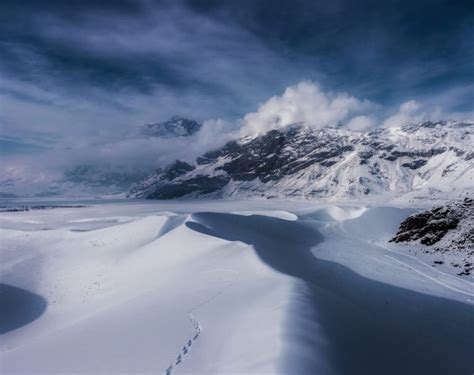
(132, 152)
(307, 103)
(304, 103)
(78, 78)
(84, 70)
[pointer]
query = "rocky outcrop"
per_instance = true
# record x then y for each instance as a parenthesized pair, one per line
(445, 233)
(430, 227)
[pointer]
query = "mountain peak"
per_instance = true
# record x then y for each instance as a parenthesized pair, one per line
(176, 126)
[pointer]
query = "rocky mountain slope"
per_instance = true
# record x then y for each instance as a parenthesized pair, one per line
(442, 231)
(432, 226)
(335, 163)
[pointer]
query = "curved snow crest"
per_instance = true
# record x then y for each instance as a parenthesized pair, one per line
(345, 213)
(285, 215)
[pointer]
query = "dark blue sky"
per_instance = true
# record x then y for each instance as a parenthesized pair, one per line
(73, 69)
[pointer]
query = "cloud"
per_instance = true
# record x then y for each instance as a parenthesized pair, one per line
(361, 123)
(71, 71)
(112, 70)
(306, 103)
(408, 113)
(130, 154)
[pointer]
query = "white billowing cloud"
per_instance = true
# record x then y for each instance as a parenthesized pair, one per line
(305, 103)
(409, 106)
(409, 112)
(361, 123)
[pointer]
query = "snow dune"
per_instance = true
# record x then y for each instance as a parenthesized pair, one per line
(270, 288)
(370, 327)
(120, 300)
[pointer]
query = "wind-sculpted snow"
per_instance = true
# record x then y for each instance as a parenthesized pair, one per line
(299, 161)
(371, 327)
(186, 287)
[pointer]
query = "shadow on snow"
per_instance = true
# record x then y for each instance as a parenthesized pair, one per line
(18, 307)
(369, 327)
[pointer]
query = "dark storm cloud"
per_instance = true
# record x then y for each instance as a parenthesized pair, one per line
(163, 45)
(380, 50)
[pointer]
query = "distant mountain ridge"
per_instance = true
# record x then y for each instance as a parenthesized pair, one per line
(301, 161)
(176, 126)
(107, 180)
(95, 178)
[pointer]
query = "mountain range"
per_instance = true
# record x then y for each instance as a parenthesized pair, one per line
(305, 162)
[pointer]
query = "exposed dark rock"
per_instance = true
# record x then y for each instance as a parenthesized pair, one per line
(328, 163)
(415, 164)
(365, 156)
(417, 153)
(276, 155)
(178, 168)
(429, 227)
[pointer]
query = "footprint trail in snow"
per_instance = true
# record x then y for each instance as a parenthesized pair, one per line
(187, 346)
(197, 331)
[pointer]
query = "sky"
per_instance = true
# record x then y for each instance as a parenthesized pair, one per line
(78, 77)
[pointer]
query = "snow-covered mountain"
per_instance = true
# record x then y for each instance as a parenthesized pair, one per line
(174, 127)
(300, 161)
